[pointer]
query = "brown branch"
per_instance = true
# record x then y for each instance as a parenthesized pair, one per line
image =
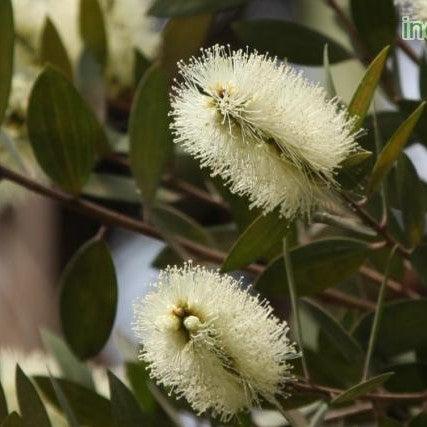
(379, 228)
(349, 301)
(364, 55)
(178, 184)
(349, 411)
(331, 392)
(408, 51)
(393, 285)
(110, 217)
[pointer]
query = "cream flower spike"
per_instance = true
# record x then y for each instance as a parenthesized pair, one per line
(268, 132)
(210, 341)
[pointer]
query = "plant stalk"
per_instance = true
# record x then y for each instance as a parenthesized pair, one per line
(294, 305)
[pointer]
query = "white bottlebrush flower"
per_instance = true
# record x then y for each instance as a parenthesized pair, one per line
(212, 342)
(270, 133)
(127, 24)
(129, 28)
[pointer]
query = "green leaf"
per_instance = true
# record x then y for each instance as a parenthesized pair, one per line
(329, 81)
(376, 23)
(413, 206)
(285, 39)
(166, 8)
(407, 378)
(354, 168)
(92, 29)
(347, 345)
(63, 401)
(116, 188)
(3, 404)
(90, 83)
(88, 299)
(31, 406)
(12, 420)
(139, 380)
(182, 38)
(263, 235)
(298, 400)
(384, 421)
(7, 39)
(392, 150)
(406, 107)
(89, 407)
(317, 266)
(419, 421)
(365, 92)
(150, 139)
(361, 389)
(63, 131)
(124, 407)
(239, 205)
(141, 65)
(52, 49)
(402, 328)
(72, 368)
(176, 223)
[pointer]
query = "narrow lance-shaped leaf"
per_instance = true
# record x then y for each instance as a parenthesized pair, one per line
(264, 234)
(166, 8)
(92, 29)
(12, 420)
(349, 347)
(31, 406)
(285, 39)
(150, 139)
(88, 299)
(182, 38)
(364, 94)
(139, 380)
(52, 49)
(361, 389)
(3, 405)
(412, 203)
(72, 368)
(317, 266)
(124, 406)
(63, 401)
(141, 65)
(63, 131)
(402, 328)
(89, 407)
(329, 81)
(7, 37)
(392, 150)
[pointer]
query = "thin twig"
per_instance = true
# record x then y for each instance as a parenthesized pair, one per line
(110, 217)
(377, 318)
(294, 305)
(408, 51)
(379, 228)
(329, 392)
(393, 285)
(387, 78)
